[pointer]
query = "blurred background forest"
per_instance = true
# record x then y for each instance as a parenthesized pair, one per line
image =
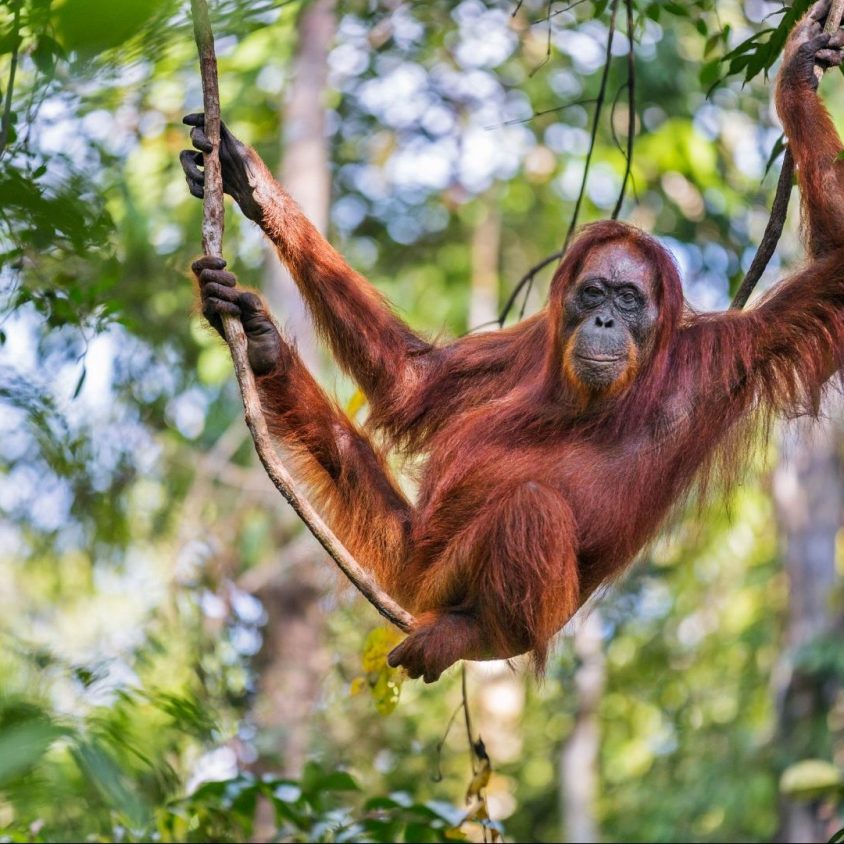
(177, 659)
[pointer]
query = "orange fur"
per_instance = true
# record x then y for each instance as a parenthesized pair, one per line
(533, 493)
(581, 390)
(628, 376)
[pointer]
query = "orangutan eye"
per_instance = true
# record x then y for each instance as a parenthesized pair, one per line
(592, 294)
(627, 299)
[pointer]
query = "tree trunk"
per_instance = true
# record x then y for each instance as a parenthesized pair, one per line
(580, 753)
(486, 250)
(294, 659)
(808, 497)
(305, 168)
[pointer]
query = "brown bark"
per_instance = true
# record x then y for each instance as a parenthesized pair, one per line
(580, 753)
(779, 209)
(809, 498)
(212, 238)
(305, 168)
(293, 658)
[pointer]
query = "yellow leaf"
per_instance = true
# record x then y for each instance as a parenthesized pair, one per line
(479, 781)
(811, 778)
(384, 682)
(386, 692)
(355, 403)
(356, 686)
(378, 644)
(477, 811)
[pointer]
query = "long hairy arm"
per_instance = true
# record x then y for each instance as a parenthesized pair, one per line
(780, 353)
(367, 338)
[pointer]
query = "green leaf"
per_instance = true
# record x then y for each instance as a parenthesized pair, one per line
(80, 382)
(9, 41)
(420, 834)
(106, 774)
(23, 745)
(711, 43)
(776, 151)
(46, 51)
(91, 26)
(339, 781)
(710, 73)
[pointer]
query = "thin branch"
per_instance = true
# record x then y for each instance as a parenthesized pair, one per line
(613, 107)
(548, 48)
(466, 715)
(488, 324)
(212, 237)
(479, 760)
(626, 147)
(213, 213)
(779, 209)
(6, 122)
(525, 279)
(438, 750)
(522, 120)
(631, 108)
(558, 12)
(771, 237)
(595, 122)
(526, 299)
(773, 14)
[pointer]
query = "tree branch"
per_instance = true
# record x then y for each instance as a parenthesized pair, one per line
(771, 237)
(212, 241)
(595, 122)
(526, 281)
(779, 209)
(6, 120)
(631, 111)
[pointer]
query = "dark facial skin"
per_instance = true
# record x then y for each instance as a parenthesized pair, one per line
(609, 317)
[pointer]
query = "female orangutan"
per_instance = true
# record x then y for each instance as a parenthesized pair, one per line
(556, 448)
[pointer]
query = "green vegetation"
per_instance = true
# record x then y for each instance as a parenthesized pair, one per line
(177, 661)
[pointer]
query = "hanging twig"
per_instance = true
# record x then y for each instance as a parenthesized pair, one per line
(437, 776)
(522, 120)
(527, 278)
(558, 12)
(631, 110)
(548, 47)
(467, 718)
(212, 241)
(779, 209)
(595, 122)
(526, 281)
